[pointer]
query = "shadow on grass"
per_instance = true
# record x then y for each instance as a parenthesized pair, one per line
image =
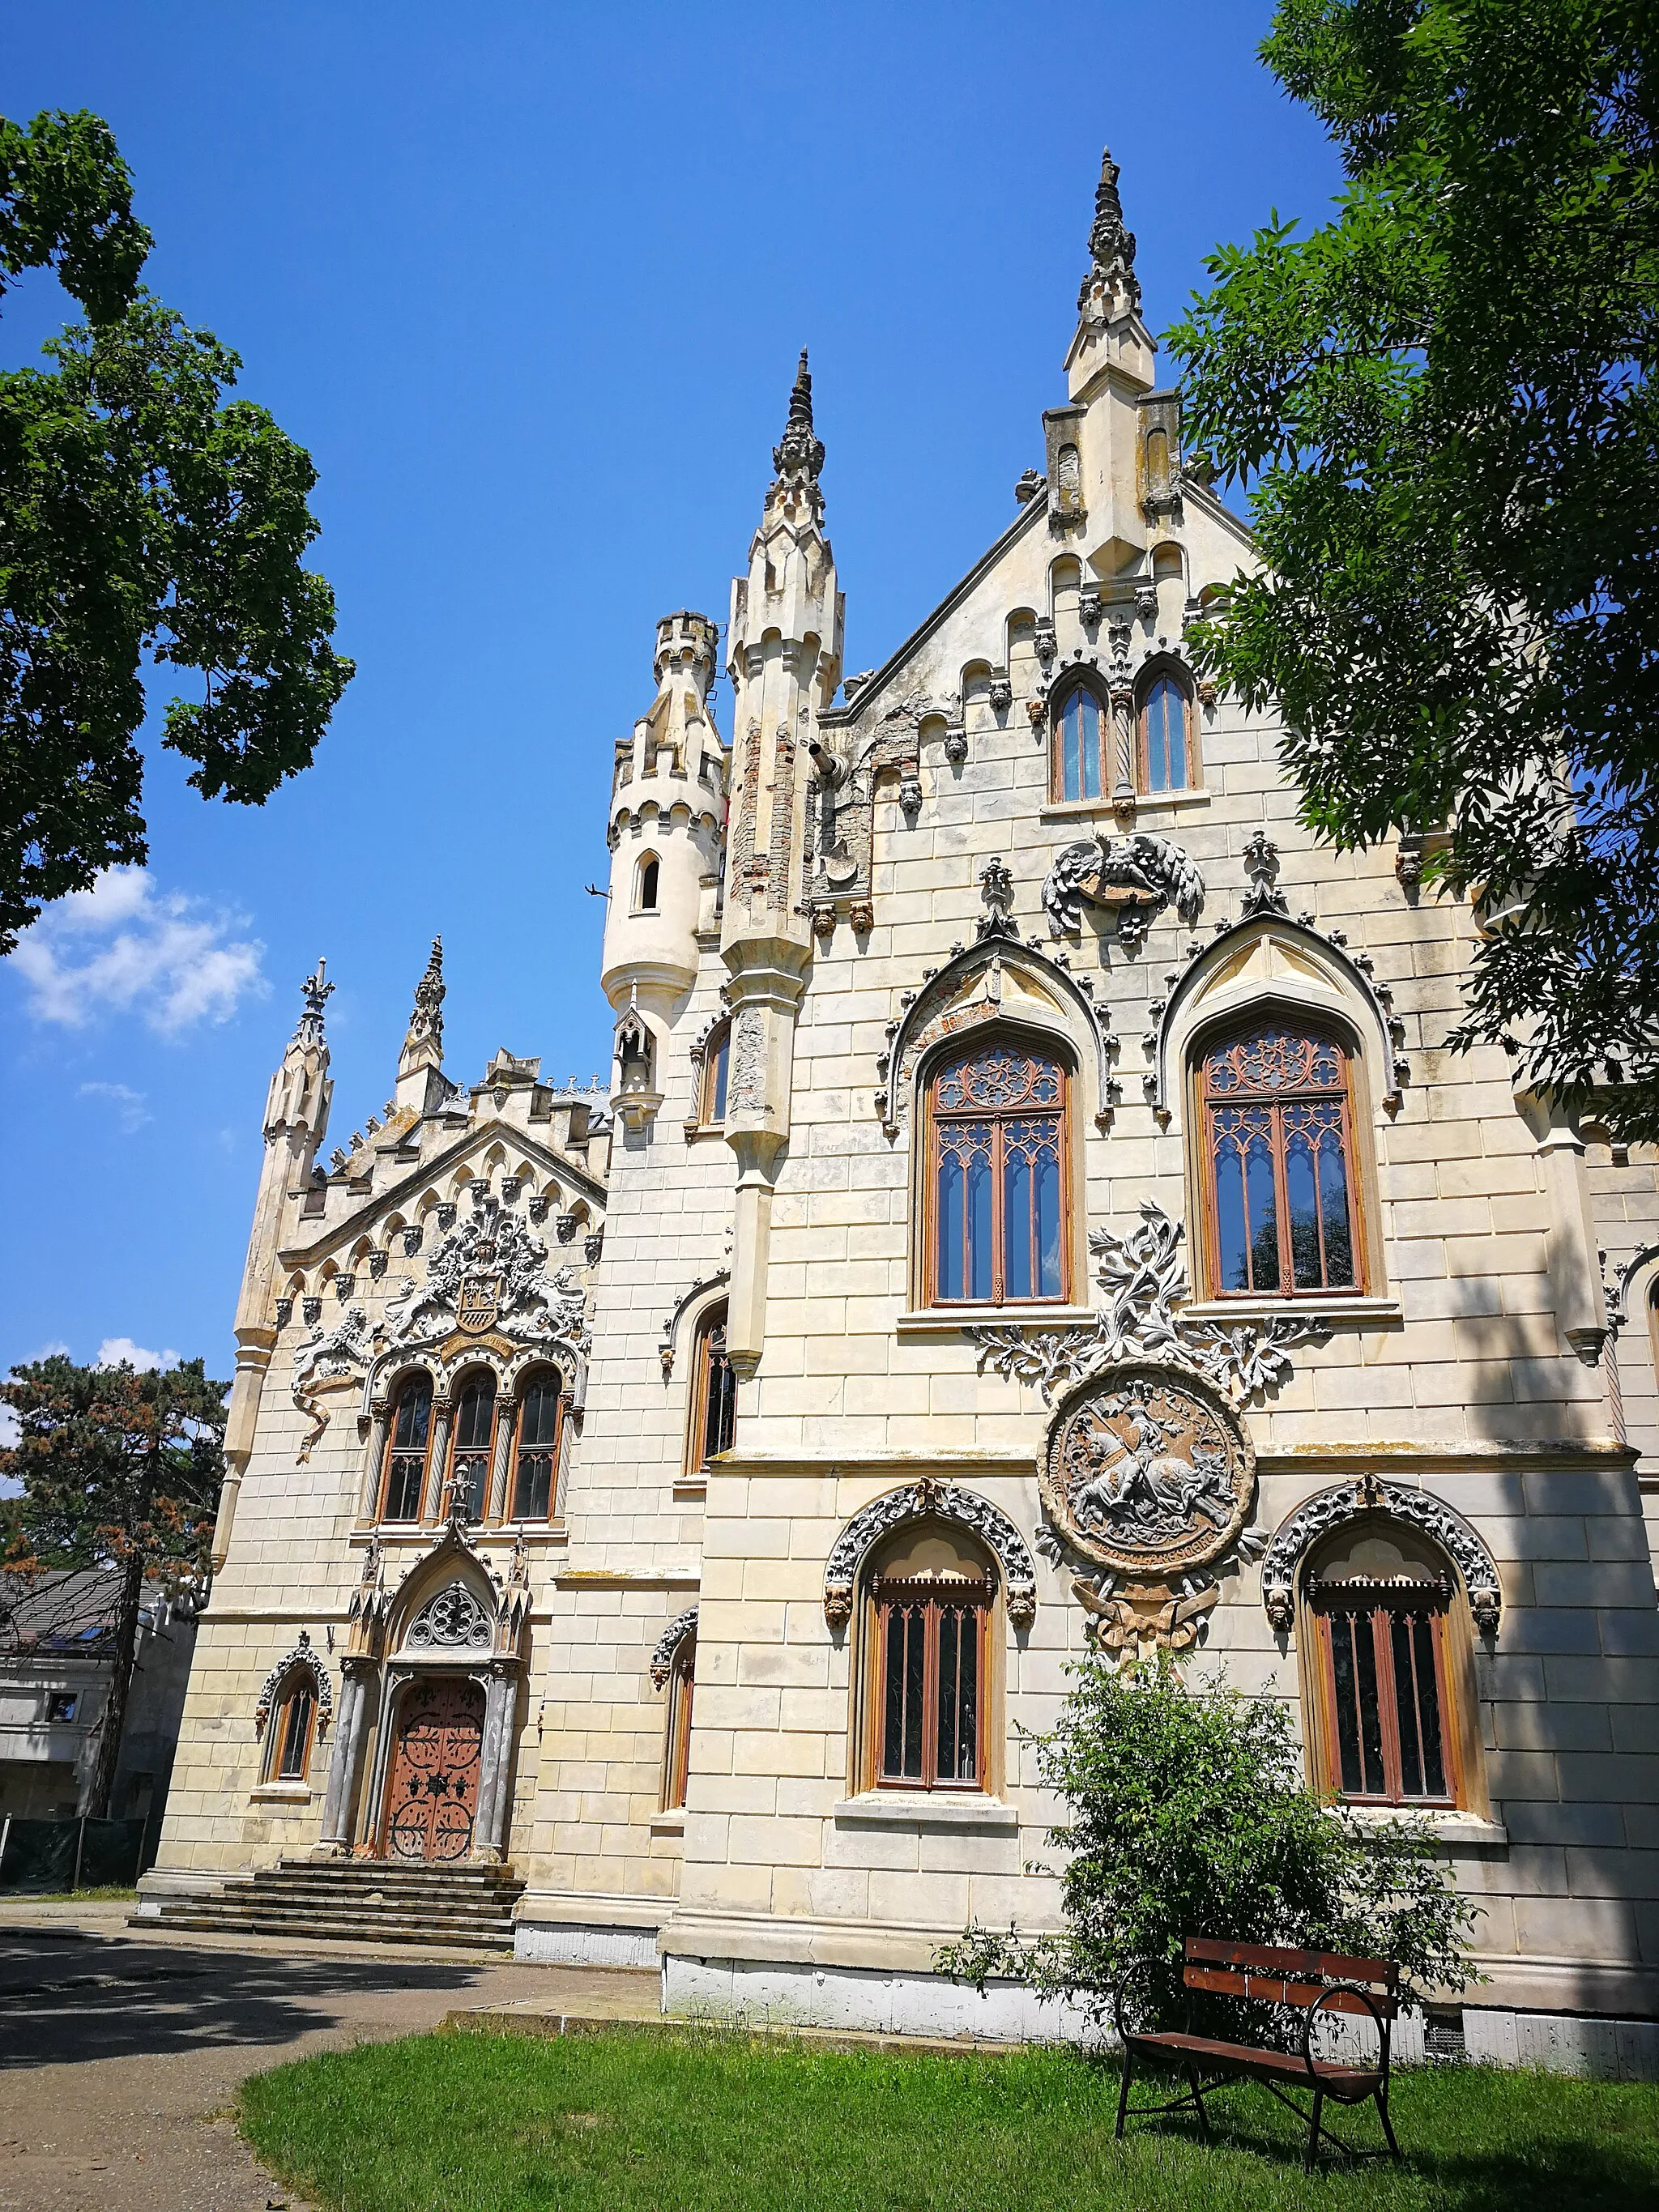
(705, 2122)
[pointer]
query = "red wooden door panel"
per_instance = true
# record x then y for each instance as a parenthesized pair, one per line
(432, 1799)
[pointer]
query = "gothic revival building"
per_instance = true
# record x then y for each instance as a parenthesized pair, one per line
(1036, 1207)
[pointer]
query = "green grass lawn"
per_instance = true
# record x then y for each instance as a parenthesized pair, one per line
(696, 2121)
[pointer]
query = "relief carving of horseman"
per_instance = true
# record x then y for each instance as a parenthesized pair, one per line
(1148, 1472)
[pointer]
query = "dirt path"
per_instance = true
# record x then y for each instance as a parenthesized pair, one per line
(119, 2055)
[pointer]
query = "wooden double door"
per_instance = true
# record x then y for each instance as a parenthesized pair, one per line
(437, 1762)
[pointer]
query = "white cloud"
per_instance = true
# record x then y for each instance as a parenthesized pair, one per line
(114, 1349)
(130, 1107)
(127, 947)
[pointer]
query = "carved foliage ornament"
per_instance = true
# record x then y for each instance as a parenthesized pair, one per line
(662, 1658)
(327, 1360)
(920, 1501)
(302, 1659)
(1144, 1281)
(1148, 1474)
(1329, 1509)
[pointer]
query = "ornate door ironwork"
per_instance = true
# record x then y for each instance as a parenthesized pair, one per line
(432, 1800)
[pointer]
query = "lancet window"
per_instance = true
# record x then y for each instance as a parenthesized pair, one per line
(716, 1069)
(714, 1413)
(471, 1449)
(1077, 767)
(677, 1742)
(535, 1477)
(1280, 1190)
(996, 1225)
(1165, 747)
(408, 1439)
(293, 1727)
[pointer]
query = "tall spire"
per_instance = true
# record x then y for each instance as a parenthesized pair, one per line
(799, 456)
(1111, 286)
(427, 1022)
(316, 993)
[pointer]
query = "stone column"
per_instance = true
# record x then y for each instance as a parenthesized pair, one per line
(350, 1734)
(437, 1462)
(501, 1463)
(500, 1696)
(1123, 747)
(368, 1503)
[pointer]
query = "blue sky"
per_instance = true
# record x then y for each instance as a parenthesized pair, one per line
(530, 283)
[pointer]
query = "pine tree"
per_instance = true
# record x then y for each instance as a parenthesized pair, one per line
(120, 1469)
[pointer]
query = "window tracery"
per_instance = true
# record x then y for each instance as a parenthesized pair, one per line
(1280, 1185)
(996, 1176)
(535, 1477)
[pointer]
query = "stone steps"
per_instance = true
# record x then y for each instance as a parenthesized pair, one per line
(357, 1900)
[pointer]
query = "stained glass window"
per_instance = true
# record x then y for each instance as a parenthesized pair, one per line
(998, 1137)
(1163, 736)
(406, 1448)
(1280, 1156)
(1076, 746)
(539, 1448)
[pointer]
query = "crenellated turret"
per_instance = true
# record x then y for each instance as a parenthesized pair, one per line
(295, 1123)
(667, 823)
(784, 656)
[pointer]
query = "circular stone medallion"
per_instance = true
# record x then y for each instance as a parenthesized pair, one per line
(1147, 1471)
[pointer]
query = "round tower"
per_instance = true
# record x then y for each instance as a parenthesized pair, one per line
(668, 825)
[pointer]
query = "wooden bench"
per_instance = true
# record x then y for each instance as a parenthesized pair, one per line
(1310, 1982)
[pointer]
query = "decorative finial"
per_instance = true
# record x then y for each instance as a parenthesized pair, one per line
(316, 993)
(1111, 282)
(996, 888)
(800, 457)
(428, 1019)
(1261, 858)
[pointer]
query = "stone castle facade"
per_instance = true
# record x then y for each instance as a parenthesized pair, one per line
(1033, 1205)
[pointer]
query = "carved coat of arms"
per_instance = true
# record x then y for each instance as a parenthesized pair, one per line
(1147, 1471)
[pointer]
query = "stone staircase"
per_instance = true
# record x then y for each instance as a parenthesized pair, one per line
(359, 1901)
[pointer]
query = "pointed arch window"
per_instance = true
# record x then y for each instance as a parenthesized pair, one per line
(997, 1230)
(470, 1452)
(677, 1744)
(926, 1659)
(1076, 761)
(535, 1475)
(646, 882)
(408, 1438)
(1389, 1664)
(716, 1072)
(293, 1730)
(714, 1394)
(1165, 735)
(1281, 1205)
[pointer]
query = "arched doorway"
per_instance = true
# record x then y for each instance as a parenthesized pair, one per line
(437, 1763)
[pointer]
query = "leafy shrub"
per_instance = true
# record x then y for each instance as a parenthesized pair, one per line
(1189, 1816)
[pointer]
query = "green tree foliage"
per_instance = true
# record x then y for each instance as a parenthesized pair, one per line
(120, 1468)
(141, 513)
(1188, 1815)
(1444, 402)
